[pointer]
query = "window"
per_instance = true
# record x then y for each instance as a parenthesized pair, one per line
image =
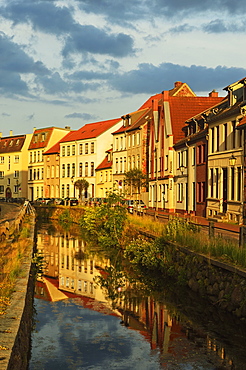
(218, 138)
(180, 193)
(52, 171)
(48, 172)
(86, 169)
(1, 189)
(16, 174)
(63, 170)
(116, 144)
(1, 174)
(43, 136)
(80, 149)
(81, 169)
(63, 191)
(86, 148)
(68, 151)
(38, 155)
(211, 182)
(34, 157)
(57, 171)
(129, 141)
(92, 168)
(232, 183)
(233, 134)
(138, 138)
(30, 174)
(217, 183)
(73, 169)
(201, 192)
(16, 160)
(212, 140)
(1, 159)
(63, 151)
(239, 180)
(225, 136)
(68, 170)
(92, 148)
(73, 149)
(35, 138)
(68, 192)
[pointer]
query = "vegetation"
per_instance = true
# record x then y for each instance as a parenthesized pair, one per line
(65, 219)
(81, 185)
(135, 179)
(11, 258)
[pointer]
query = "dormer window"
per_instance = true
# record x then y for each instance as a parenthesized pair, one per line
(43, 136)
(17, 142)
(11, 142)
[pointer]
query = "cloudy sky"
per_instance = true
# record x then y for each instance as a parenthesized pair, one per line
(67, 63)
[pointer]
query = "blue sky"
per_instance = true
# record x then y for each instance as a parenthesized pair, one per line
(67, 63)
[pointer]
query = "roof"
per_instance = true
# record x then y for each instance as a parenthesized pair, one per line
(91, 130)
(56, 148)
(37, 141)
(242, 123)
(12, 144)
(104, 164)
(182, 108)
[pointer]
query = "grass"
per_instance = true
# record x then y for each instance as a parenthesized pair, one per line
(186, 234)
(11, 258)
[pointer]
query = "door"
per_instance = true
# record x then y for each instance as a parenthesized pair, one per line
(224, 190)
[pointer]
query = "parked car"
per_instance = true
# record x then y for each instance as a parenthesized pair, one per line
(42, 201)
(129, 205)
(71, 201)
(56, 201)
(139, 206)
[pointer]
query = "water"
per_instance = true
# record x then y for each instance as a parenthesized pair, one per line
(78, 327)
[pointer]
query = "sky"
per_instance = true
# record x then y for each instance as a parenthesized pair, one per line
(68, 63)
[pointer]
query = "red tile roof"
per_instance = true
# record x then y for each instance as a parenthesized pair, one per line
(104, 164)
(183, 108)
(37, 142)
(242, 122)
(92, 130)
(12, 144)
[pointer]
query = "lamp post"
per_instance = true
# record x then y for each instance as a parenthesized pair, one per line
(72, 181)
(232, 160)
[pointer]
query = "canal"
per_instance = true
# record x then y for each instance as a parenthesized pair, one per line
(91, 313)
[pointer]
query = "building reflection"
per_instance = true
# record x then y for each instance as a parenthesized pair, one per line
(69, 272)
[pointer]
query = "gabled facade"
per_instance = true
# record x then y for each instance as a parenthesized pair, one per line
(42, 140)
(225, 155)
(82, 152)
(170, 111)
(14, 165)
(130, 149)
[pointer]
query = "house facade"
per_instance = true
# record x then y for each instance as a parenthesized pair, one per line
(104, 178)
(14, 165)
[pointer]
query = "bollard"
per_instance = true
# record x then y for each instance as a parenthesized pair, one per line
(242, 236)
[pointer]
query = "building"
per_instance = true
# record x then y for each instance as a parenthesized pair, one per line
(170, 110)
(104, 178)
(42, 140)
(82, 152)
(14, 165)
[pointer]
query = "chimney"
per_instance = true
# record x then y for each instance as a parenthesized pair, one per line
(67, 127)
(10, 132)
(178, 83)
(34, 129)
(1, 134)
(213, 94)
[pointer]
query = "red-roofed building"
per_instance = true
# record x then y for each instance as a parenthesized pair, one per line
(104, 178)
(82, 152)
(170, 110)
(42, 140)
(14, 165)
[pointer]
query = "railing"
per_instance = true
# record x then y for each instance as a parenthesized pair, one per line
(16, 223)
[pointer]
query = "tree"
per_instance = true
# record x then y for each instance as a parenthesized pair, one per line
(81, 184)
(135, 179)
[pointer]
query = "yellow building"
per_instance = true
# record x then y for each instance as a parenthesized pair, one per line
(14, 165)
(42, 140)
(104, 179)
(225, 155)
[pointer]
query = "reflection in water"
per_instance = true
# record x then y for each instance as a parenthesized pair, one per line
(78, 325)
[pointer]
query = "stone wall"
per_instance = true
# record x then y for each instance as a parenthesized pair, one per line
(222, 284)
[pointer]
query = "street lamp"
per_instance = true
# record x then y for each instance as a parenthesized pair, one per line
(232, 160)
(72, 181)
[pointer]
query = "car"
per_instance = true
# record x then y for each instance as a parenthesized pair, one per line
(139, 206)
(56, 201)
(129, 205)
(42, 201)
(71, 201)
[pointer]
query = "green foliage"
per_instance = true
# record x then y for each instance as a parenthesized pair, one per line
(178, 227)
(65, 219)
(143, 253)
(106, 223)
(81, 184)
(135, 179)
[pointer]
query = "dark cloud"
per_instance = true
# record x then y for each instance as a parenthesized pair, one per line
(83, 116)
(221, 26)
(182, 28)
(5, 114)
(152, 79)
(49, 18)
(90, 75)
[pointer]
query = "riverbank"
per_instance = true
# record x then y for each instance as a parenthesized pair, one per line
(16, 320)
